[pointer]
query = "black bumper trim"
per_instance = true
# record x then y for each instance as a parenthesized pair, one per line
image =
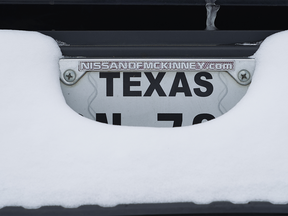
(215, 208)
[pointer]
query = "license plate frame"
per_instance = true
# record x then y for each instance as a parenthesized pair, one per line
(147, 89)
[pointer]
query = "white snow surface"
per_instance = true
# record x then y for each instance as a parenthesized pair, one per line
(50, 155)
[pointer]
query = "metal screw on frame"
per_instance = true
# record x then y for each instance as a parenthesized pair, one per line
(69, 75)
(244, 76)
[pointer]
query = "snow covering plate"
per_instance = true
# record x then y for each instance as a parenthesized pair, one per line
(49, 155)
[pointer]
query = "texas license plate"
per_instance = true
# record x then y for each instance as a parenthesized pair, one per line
(154, 92)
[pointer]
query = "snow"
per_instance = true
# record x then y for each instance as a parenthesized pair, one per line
(49, 155)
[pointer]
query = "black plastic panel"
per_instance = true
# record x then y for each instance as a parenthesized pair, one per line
(156, 17)
(158, 44)
(213, 209)
(152, 2)
(158, 52)
(157, 38)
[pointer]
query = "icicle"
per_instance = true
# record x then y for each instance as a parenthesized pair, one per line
(212, 9)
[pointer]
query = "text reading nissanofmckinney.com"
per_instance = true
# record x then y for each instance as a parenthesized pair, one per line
(155, 65)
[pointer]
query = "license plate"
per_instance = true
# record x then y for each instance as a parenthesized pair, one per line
(154, 92)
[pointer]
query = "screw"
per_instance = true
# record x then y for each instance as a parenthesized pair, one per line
(244, 76)
(69, 75)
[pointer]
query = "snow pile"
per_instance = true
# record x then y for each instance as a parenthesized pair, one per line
(49, 155)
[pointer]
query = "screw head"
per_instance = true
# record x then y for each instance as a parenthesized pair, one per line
(69, 75)
(244, 76)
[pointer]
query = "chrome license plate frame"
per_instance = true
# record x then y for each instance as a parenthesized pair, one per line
(154, 92)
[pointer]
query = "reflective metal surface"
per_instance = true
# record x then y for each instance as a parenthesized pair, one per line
(154, 92)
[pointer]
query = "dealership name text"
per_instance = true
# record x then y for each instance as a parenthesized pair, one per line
(155, 65)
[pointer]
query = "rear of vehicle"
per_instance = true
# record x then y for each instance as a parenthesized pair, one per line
(143, 63)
